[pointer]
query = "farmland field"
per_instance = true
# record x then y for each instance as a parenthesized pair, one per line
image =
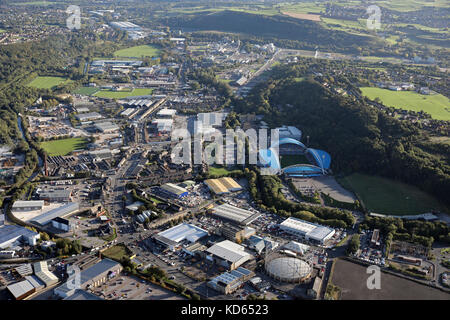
(352, 279)
(303, 16)
(122, 94)
(139, 51)
(386, 196)
(63, 147)
(47, 82)
(437, 105)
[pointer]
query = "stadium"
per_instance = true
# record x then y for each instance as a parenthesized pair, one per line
(320, 160)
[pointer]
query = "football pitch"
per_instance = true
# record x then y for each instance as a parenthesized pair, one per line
(123, 94)
(138, 52)
(437, 105)
(47, 82)
(63, 147)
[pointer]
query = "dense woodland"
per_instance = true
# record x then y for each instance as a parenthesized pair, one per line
(283, 31)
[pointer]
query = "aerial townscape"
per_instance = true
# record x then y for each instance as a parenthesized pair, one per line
(224, 150)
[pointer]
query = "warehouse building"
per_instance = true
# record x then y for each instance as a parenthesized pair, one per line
(63, 211)
(229, 282)
(125, 25)
(11, 234)
(21, 205)
(172, 238)
(163, 125)
(91, 277)
(41, 271)
(236, 233)
(24, 270)
(106, 127)
(61, 224)
(166, 113)
(173, 191)
(21, 290)
(307, 230)
(223, 185)
(228, 254)
(64, 195)
(88, 116)
(235, 214)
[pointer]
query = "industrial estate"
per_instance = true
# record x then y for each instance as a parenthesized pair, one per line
(90, 188)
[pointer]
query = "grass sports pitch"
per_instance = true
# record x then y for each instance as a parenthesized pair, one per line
(47, 82)
(122, 94)
(386, 196)
(139, 51)
(64, 146)
(437, 105)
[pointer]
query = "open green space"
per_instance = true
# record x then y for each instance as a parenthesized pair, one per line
(386, 196)
(289, 160)
(63, 147)
(122, 94)
(437, 105)
(47, 82)
(34, 3)
(139, 51)
(86, 91)
(218, 171)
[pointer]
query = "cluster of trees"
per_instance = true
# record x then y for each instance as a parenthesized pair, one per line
(232, 120)
(66, 247)
(207, 77)
(414, 231)
(353, 245)
(265, 191)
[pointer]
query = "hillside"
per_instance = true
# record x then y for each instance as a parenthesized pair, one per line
(276, 28)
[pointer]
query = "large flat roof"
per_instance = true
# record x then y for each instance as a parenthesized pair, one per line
(20, 288)
(173, 188)
(311, 230)
(10, 232)
(97, 269)
(27, 204)
(182, 232)
(222, 185)
(229, 251)
(62, 211)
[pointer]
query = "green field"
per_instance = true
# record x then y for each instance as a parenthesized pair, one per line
(289, 160)
(117, 252)
(386, 196)
(218, 171)
(139, 51)
(64, 146)
(86, 91)
(47, 82)
(35, 3)
(122, 94)
(437, 105)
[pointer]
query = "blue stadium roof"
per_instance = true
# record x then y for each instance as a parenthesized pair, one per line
(270, 158)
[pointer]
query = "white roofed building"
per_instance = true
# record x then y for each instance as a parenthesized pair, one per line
(228, 254)
(307, 230)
